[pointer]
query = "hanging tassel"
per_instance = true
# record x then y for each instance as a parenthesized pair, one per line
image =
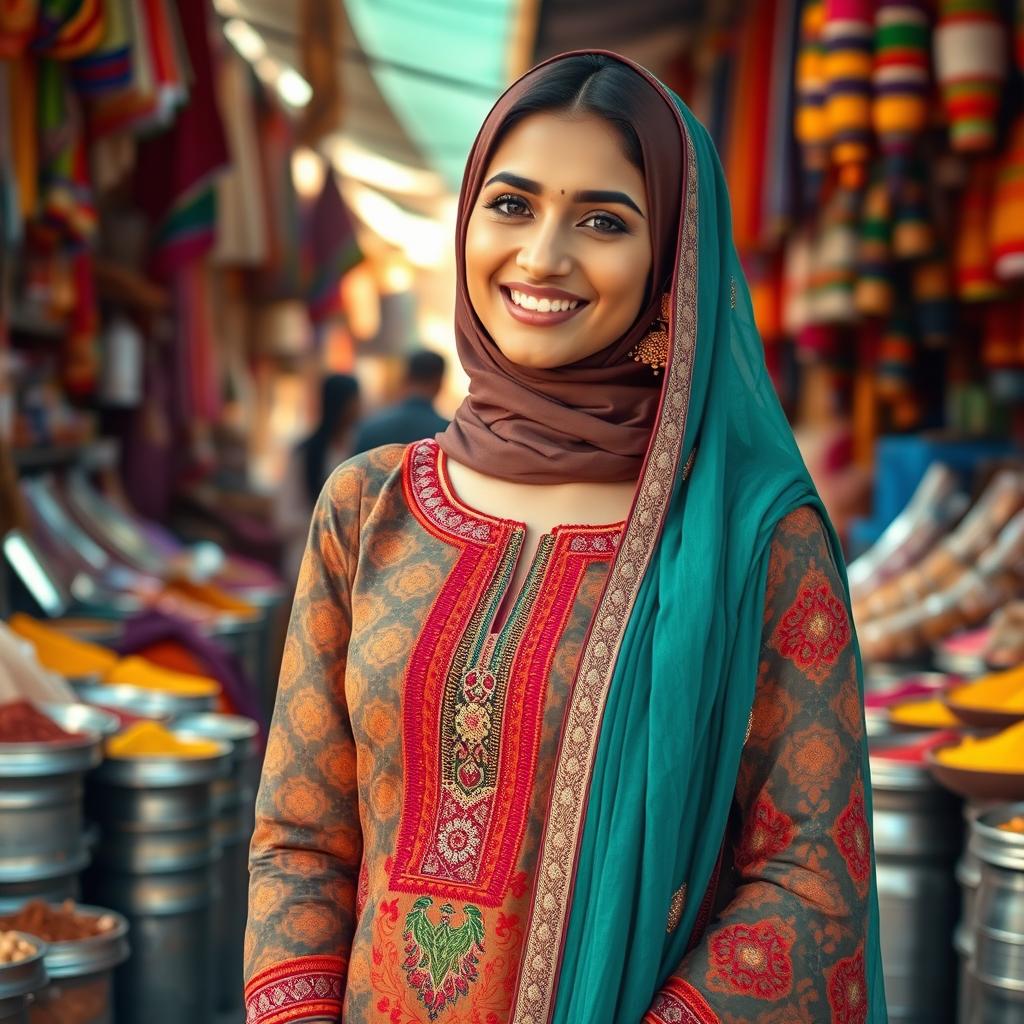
(913, 232)
(901, 82)
(970, 64)
(848, 35)
(933, 300)
(875, 285)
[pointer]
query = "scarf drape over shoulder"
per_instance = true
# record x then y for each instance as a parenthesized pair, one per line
(656, 722)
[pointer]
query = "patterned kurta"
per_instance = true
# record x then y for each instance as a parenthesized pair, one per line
(409, 766)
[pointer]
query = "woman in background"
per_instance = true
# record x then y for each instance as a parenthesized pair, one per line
(312, 462)
(570, 724)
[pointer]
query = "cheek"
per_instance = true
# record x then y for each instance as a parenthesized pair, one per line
(622, 280)
(482, 253)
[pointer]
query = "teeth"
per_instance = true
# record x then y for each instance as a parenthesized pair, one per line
(543, 305)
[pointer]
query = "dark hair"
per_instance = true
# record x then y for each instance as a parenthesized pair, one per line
(424, 367)
(589, 83)
(338, 393)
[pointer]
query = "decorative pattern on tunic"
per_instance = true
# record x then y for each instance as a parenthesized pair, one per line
(333, 799)
(680, 1003)
(301, 989)
(480, 690)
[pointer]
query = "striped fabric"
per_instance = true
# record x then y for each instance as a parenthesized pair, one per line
(901, 80)
(896, 357)
(834, 270)
(68, 28)
(848, 35)
(811, 125)
(108, 67)
(970, 63)
(1008, 208)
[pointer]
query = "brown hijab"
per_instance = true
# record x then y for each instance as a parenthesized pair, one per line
(592, 420)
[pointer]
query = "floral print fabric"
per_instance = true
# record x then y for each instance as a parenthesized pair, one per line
(787, 948)
(380, 892)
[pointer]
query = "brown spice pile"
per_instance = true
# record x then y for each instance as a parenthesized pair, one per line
(57, 924)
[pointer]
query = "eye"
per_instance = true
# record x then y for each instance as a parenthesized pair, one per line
(509, 205)
(605, 224)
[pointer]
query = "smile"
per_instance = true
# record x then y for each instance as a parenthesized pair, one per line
(540, 310)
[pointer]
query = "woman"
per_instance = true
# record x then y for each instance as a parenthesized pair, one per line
(632, 786)
(313, 461)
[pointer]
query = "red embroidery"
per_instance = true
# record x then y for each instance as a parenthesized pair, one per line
(753, 959)
(853, 839)
(680, 1003)
(767, 831)
(815, 630)
(362, 889)
(848, 990)
(300, 989)
(480, 693)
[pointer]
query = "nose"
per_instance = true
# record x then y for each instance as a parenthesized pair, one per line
(543, 252)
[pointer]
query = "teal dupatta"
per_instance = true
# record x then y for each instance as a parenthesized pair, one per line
(676, 709)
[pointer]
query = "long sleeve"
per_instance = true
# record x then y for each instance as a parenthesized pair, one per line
(788, 948)
(307, 845)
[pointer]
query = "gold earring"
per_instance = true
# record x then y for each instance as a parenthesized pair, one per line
(652, 348)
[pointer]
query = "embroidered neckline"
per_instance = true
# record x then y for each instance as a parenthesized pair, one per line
(435, 499)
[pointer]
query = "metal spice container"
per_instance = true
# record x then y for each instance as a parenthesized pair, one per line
(996, 965)
(20, 980)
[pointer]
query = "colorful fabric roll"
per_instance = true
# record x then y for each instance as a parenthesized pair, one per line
(834, 270)
(934, 309)
(66, 29)
(901, 81)
(1008, 208)
(18, 18)
(812, 125)
(848, 35)
(970, 64)
(108, 68)
(874, 294)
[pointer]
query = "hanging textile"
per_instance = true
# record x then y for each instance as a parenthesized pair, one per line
(108, 68)
(332, 250)
(811, 125)
(177, 169)
(66, 29)
(970, 64)
(18, 18)
(1007, 223)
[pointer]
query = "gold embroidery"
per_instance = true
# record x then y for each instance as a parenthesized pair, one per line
(675, 908)
(750, 727)
(564, 827)
(732, 292)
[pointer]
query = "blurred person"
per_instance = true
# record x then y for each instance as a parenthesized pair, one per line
(312, 462)
(413, 417)
(570, 724)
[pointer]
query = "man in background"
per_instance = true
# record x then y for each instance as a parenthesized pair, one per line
(413, 417)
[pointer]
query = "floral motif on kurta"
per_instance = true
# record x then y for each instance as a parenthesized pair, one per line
(815, 630)
(342, 873)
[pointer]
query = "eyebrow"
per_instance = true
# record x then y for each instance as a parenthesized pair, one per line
(588, 196)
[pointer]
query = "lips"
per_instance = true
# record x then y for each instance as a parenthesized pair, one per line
(545, 296)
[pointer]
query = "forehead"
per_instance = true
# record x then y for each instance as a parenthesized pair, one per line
(562, 151)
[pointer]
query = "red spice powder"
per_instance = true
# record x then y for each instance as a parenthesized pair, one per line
(915, 752)
(22, 722)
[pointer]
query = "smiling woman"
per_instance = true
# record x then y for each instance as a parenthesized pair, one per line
(558, 253)
(604, 762)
